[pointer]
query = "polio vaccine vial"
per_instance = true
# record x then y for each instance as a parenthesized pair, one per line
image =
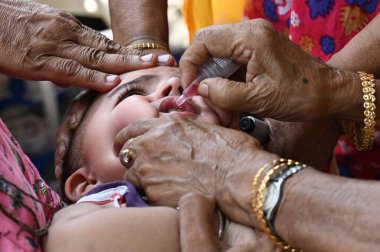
(213, 67)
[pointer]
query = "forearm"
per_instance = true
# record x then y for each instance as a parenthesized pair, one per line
(115, 229)
(361, 53)
(321, 212)
(139, 20)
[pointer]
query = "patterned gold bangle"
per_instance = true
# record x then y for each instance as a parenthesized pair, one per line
(148, 45)
(364, 132)
(257, 200)
(256, 180)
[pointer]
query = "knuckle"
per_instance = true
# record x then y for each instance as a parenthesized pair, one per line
(111, 46)
(95, 57)
(201, 33)
(128, 59)
(71, 69)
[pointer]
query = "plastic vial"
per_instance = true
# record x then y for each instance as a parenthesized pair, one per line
(213, 67)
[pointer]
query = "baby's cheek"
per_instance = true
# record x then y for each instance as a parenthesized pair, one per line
(132, 109)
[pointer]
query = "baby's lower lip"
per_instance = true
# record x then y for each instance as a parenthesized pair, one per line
(178, 112)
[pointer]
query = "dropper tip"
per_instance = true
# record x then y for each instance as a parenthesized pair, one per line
(180, 100)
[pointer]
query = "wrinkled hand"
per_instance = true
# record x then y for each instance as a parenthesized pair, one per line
(311, 143)
(199, 233)
(282, 81)
(43, 43)
(175, 155)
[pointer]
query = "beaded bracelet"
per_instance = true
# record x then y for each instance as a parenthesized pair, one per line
(365, 134)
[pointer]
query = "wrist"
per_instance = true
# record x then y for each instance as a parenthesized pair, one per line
(290, 222)
(234, 193)
(345, 99)
(140, 39)
(266, 196)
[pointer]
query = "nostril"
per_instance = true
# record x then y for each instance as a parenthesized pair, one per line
(180, 89)
(166, 91)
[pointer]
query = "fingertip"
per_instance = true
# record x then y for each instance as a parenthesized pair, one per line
(166, 60)
(113, 79)
(108, 83)
(203, 90)
(146, 57)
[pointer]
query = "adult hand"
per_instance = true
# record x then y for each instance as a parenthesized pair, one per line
(311, 143)
(196, 213)
(43, 43)
(282, 81)
(173, 156)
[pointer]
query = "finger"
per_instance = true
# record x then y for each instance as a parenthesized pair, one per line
(163, 57)
(133, 130)
(69, 72)
(196, 218)
(90, 38)
(166, 60)
(106, 62)
(93, 39)
(228, 94)
(217, 41)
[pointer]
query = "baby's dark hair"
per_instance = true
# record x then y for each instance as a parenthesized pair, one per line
(69, 139)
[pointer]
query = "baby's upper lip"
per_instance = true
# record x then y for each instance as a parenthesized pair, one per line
(169, 105)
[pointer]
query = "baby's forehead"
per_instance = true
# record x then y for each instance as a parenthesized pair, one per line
(160, 71)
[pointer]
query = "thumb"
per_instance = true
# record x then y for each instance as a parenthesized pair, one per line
(227, 94)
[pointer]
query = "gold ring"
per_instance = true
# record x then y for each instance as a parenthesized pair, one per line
(126, 155)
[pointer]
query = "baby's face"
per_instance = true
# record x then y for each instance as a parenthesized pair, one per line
(148, 93)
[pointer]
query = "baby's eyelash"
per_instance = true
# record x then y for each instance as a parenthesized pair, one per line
(129, 90)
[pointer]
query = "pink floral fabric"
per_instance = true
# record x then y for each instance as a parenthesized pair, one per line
(27, 203)
(323, 28)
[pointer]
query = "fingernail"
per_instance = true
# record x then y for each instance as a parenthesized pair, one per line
(203, 89)
(147, 58)
(111, 78)
(163, 58)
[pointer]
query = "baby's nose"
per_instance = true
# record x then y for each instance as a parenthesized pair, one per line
(171, 87)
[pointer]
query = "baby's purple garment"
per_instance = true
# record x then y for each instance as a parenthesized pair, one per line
(132, 198)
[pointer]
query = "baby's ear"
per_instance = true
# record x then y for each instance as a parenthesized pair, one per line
(78, 184)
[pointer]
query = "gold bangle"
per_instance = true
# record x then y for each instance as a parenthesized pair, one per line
(257, 200)
(148, 45)
(365, 132)
(256, 180)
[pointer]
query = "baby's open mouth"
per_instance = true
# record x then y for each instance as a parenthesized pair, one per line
(169, 105)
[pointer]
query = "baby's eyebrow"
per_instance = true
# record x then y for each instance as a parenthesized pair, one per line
(140, 79)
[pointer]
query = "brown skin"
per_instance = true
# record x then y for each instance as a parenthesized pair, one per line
(282, 81)
(149, 19)
(362, 49)
(197, 232)
(309, 142)
(124, 13)
(319, 212)
(51, 44)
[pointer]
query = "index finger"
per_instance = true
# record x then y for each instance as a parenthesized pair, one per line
(133, 130)
(200, 50)
(237, 41)
(226, 41)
